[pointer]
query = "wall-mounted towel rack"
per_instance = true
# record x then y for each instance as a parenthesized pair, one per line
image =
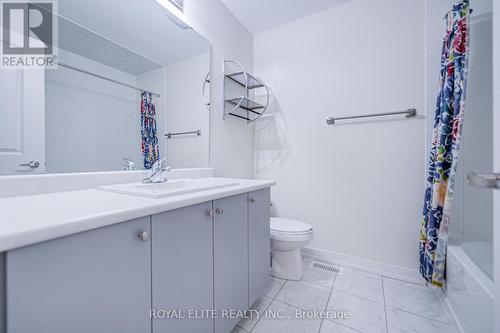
(410, 113)
(240, 91)
(170, 135)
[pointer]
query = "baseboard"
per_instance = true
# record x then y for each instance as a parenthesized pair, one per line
(392, 271)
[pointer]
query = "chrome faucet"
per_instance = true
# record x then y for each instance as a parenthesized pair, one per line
(128, 164)
(157, 173)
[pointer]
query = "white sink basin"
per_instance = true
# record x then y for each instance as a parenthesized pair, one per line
(171, 188)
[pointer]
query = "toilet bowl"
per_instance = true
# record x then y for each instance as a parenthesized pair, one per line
(287, 238)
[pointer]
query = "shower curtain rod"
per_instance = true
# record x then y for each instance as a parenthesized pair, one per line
(105, 78)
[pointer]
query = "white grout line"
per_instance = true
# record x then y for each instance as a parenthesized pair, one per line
(321, 325)
(360, 297)
(343, 325)
(267, 307)
(385, 306)
(420, 285)
(241, 328)
(449, 323)
(328, 301)
(420, 316)
(280, 289)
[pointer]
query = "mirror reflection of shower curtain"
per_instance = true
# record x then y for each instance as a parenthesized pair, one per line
(445, 145)
(149, 134)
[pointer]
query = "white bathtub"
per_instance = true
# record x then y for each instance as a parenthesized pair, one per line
(469, 292)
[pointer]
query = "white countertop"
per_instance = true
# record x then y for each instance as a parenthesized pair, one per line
(26, 220)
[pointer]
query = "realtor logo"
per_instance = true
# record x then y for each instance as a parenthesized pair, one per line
(28, 34)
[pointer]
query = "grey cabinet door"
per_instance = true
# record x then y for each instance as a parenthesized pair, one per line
(182, 264)
(230, 260)
(259, 243)
(95, 281)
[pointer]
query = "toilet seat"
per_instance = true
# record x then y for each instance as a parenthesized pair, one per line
(289, 227)
(291, 238)
(287, 230)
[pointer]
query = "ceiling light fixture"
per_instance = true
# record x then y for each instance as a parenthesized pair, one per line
(175, 13)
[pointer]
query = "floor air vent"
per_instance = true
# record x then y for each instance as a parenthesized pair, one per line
(333, 269)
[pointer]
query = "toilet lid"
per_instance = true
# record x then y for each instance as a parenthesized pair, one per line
(289, 226)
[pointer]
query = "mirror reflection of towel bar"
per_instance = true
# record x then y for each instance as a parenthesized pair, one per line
(170, 135)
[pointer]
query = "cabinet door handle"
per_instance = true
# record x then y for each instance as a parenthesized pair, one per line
(31, 164)
(219, 211)
(211, 212)
(143, 236)
(252, 200)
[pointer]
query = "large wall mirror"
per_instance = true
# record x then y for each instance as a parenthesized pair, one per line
(120, 69)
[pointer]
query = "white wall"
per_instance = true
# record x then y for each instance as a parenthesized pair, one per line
(185, 112)
(231, 140)
(87, 118)
(360, 185)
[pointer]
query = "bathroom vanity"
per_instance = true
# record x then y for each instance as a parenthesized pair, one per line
(187, 256)
(87, 248)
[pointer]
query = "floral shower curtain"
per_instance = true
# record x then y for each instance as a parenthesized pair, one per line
(448, 119)
(149, 135)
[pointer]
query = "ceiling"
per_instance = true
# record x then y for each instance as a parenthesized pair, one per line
(262, 15)
(78, 40)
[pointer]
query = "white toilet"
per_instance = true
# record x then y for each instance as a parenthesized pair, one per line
(287, 238)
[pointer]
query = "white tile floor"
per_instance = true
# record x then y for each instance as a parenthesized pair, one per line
(376, 304)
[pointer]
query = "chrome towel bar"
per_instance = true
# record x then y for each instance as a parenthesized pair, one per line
(410, 113)
(170, 135)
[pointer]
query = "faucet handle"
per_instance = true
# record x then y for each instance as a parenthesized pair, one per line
(156, 172)
(129, 164)
(156, 165)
